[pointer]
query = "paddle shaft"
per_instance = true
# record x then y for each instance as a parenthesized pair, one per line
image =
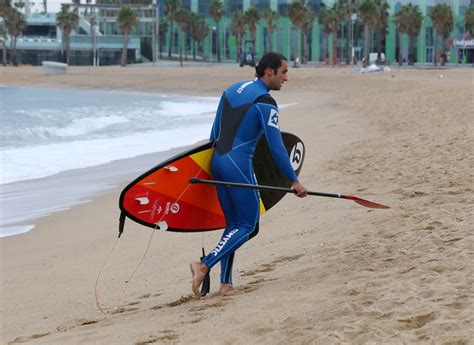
(262, 187)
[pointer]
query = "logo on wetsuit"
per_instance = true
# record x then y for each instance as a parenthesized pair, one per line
(224, 240)
(273, 120)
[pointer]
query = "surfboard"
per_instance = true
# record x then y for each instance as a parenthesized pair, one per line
(162, 198)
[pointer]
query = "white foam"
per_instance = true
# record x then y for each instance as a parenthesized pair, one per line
(15, 230)
(44, 160)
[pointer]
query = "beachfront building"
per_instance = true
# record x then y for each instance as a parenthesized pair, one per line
(287, 39)
(97, 39)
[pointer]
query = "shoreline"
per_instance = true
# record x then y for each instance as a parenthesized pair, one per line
(101, 180)
(322, 271)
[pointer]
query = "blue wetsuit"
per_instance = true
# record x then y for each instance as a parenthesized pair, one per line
(246, 112)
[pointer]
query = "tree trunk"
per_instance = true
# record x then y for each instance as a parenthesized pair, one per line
(218, 43)
(366, 45)
(194, 50)
(303, 50)
(14, 60)
(181, 49)
(294, 48)
(348, 42)
(4, 48)
(327, 49)
(239, 47)
(171, 39)
(124, 49)
(411, 55)
(270, 41)
(379, 47)
(435, 50)
(400, 50)
(334, 43)
(68, 49)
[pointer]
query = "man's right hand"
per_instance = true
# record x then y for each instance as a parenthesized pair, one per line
(301, 191)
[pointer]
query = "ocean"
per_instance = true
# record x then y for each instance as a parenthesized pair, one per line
(46, 134)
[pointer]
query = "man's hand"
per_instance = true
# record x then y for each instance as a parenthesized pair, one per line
(301, 191)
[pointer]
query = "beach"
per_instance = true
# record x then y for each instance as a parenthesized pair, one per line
(320, 271)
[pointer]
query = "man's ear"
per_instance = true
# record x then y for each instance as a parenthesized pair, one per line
(269, 72)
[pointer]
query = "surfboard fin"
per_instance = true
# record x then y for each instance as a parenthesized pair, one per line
(121, 223)
(206, 284)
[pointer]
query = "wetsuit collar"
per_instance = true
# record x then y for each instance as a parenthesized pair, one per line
(260, 81)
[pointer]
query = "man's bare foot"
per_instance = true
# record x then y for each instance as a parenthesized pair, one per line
(199, 271)
(225, 288)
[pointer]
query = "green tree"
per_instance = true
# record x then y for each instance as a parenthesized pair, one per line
(306, 27)
(252, 17)
(325, 20)
(183, 19)
(368, 15)
(216, 11)
(199, 32)
(469, 19)
(297, 12)
(171, 6)
(347, 8)
(4, 9)
(162, 30)
(443, 21)
(381, 25)
(408, 20)
(67, 20)
(238, 29)
(15, 22)
(126, 19)
(271, 18)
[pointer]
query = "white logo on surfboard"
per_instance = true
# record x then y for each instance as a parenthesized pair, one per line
(296, 155)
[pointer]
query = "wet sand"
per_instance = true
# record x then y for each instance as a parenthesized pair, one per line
(320, 271)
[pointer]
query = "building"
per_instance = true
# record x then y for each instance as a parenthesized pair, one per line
(286, 35)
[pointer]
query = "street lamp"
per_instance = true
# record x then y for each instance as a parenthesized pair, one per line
(353, 20)
(210, 53)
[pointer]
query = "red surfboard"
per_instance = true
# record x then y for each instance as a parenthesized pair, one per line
(162, 198)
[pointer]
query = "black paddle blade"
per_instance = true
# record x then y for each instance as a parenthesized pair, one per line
(206, 284)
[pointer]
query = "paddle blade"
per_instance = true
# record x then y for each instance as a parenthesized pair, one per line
(363, 202)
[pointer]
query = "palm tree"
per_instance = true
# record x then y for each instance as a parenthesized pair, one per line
(297, 13)
(368, 15)
(408, 20)
(271, 17)
(162, 29)
(15, 22)
(170, 9)
(183, 19)
(306, 27)
(337, 14)
(216, 11)
(252, 17)
(381, 25)
(199, 32)
(443, 21)
(469, 19)
(347, 8)
(238, 29)
(66, 20)
(126, 19)
(325, 20)
(4, 9)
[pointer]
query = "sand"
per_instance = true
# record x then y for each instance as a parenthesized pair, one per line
(321, 271)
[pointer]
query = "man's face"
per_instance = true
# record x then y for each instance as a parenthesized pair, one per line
(276, 80)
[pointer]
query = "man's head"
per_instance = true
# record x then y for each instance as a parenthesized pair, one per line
(273, 70)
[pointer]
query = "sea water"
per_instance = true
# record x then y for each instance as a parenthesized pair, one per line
(45, 133)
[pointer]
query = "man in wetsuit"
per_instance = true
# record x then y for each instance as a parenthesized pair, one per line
(246, 111)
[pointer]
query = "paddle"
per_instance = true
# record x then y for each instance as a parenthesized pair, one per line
(354, 198)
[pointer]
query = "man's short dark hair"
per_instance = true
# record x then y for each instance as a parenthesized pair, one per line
(272, 60)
